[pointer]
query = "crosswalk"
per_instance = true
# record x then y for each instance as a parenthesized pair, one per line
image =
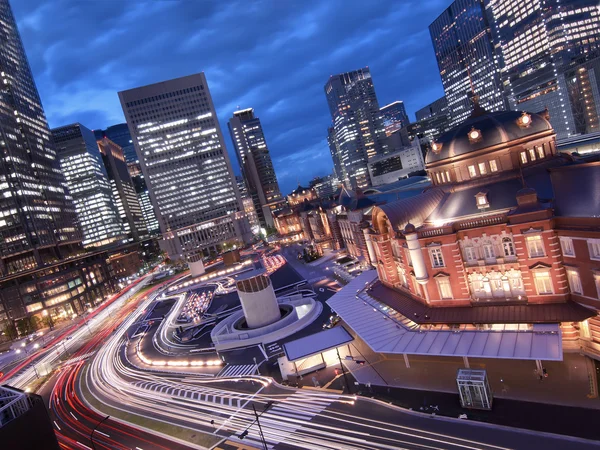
(282, 421)
(200, 394)
(237, 370)
(79, 358)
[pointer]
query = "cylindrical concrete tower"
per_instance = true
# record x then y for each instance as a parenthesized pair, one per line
(196, 265)
(258, 301)
(416, 254)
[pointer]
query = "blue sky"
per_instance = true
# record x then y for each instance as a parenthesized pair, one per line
(274, 56)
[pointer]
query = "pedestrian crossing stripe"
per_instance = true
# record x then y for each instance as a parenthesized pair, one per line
(237, 370)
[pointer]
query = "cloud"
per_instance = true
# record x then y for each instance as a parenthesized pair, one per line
(272, 56)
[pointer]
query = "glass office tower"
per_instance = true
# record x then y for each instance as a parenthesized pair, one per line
(538, 41)
(86, 177)
(468, 63)
(256, 165)
(357, 124)
(180, 147)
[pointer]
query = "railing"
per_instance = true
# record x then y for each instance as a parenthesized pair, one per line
(481, 222)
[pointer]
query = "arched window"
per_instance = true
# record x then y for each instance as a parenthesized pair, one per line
(507, 245)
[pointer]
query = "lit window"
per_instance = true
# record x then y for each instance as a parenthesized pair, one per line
(437, 260)
(524, 157)
(567, 246)
(408, 258)
(437, 175)
(472, 172)
(444, 287)
(574, 281)
(482, 200)
(448, 176)
(482, 168)
(532, 154)
(597, 281)
(535, 246)
(540, 151)
(493, 166)
(543, 282)
(594, 248)
(507, 246)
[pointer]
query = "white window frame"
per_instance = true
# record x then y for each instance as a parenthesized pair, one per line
(532, 155)
(436, 251)
(472, 171)
(493, 165)
(574, 281)
(482, 168)
(470, 253)
(597, 282)
(446, 282)
(566, 245)
(538, 239)
(488, 250)
(594, 249)
(508, 244)
(547, 282)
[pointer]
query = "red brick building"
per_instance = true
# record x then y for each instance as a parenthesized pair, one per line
(508, 237)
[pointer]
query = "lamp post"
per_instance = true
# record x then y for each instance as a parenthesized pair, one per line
(94, 429)
(257, 420)
(343, 371)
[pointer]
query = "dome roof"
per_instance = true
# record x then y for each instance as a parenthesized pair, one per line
(493, 129)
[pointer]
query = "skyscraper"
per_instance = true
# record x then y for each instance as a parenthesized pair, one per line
(123, 190)
(394, 117)
(357, 123)
(438, 107)
(44, 271)
(141, 189)
(121, 136)
(86, 177)
(462, 40)
(180, 147)
(537, 40)
(255, 161)
(338, 168)
(37, 217)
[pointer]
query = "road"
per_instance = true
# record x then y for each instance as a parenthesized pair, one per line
(106, 369)
(297, 419)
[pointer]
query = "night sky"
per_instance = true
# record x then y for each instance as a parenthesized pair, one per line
(274, 56)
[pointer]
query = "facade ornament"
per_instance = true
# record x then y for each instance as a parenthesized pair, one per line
(474, 135)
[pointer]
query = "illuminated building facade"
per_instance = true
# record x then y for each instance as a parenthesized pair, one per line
(537, 40)
(38, 222)
(85, 174)
(357, 125)
(464, 49)
(123, 190)
(139, 184)
(44, 271)
(248, 204)
(582, 81)
(180, 147)
(256, 165)
(495, 259)
(394, 117)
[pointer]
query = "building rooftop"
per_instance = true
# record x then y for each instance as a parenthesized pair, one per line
(493, 129)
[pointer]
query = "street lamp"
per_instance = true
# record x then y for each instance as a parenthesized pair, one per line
(257, 420)
(94, 429)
